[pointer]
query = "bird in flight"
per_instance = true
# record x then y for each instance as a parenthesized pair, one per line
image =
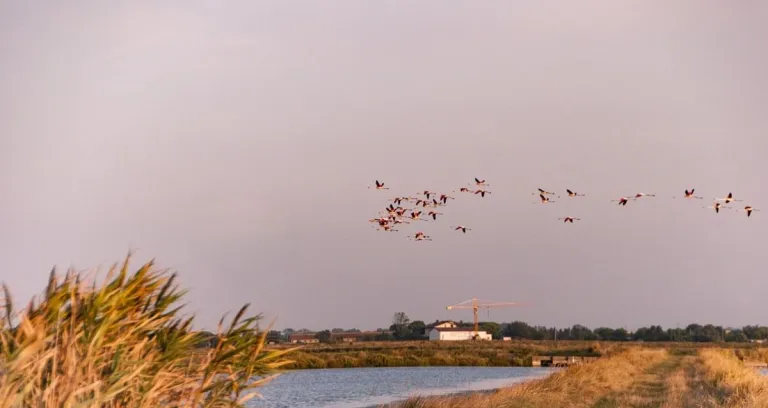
(622, 201)
(717, 207)
(428, 193)
(574, 194)
(434, 214)
(464, 190)
(543, 200)
(545, 192)
(379, 186)
(689, 194)
(444, 198)
(748, 209)
(569, 219)
(415, 216)
(640, 195)
(727, 199)
(479, 182)
(419, 236)
(462, 228)
(482, 192)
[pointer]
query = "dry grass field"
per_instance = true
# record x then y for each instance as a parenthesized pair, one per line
(700, 377)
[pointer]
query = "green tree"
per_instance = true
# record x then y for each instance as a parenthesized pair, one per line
(519, 330)
(736, 336)
(324, 336)
(417, 328)
(491, 327)
(400, 325)
(579, 332)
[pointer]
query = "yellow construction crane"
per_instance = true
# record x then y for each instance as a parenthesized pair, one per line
(474, 304)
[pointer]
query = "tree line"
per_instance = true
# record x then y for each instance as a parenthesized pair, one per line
(403, 328)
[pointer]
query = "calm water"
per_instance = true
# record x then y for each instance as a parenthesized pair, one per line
(365, 387)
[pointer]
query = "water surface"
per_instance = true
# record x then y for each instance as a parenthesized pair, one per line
(365, 387)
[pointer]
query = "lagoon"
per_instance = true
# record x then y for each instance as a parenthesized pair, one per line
(367, 387)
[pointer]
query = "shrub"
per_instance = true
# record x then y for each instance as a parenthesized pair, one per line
(123, 344)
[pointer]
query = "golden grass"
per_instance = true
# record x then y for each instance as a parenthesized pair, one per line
(123, 345)
(677, 388)
(433, 353)
(729, 382)
(578, 386)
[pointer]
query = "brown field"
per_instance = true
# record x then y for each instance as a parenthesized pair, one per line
(655, 376)
(485, 353)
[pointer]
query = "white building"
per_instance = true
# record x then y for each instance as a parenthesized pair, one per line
(440, 323)
(457, 334)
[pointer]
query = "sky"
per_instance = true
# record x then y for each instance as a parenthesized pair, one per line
(233, 142)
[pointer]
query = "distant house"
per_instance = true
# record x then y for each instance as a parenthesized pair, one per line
(303, 338)
(440, 324)
(351, 337)
(457, 334)
(274, 337)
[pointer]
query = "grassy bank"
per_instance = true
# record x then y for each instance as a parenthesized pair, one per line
(426, 353)
(124, 344)
(633, 377)
(492, 354)
(727, 382)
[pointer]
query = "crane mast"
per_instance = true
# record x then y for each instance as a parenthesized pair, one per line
(475, 305)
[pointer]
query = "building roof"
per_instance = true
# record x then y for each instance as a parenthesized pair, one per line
(358, 334)
(437, 323)
(457, 329)
(302, 336)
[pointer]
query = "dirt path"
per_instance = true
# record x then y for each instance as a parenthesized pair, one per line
(664, 385)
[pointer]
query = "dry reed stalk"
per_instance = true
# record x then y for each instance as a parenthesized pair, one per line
(124, 344)
(731, 383)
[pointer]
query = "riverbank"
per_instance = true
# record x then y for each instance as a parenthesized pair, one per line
(437, 354)
(636, 377)
(482, 354)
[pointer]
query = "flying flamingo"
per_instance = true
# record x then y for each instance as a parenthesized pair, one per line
(748, 209)
(399, 200)
(479, 182)
(428, 193)
(464, 190)
(717, 207)
(639, 195)
(622, 201)
(569, 219)
(415, 215)
(689, 194)
(543, 200)
(434, 214)
(728, 199)
(419, 236)
(423, 203)
(545, 192)
(379, 186)
(482, 192)
(574, 194)
(444, 198)
(462, 228)
(380, 220)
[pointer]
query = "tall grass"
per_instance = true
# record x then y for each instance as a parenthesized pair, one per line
(125, 344)
(578, 386)
(730, 383)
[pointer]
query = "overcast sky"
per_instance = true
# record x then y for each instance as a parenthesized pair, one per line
(233, 141)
